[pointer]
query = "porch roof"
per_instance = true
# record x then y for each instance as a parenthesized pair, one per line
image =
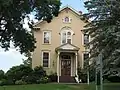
(67, 47)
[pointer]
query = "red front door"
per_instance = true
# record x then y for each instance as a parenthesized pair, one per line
(65, 67)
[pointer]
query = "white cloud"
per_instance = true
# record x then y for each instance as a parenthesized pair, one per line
(10, 58)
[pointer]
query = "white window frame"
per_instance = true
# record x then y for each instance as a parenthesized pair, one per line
(84, 38)
(68, 21)
(49, 38)
(66, 31)
(44, 51)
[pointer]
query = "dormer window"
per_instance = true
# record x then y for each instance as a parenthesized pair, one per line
(67, 19)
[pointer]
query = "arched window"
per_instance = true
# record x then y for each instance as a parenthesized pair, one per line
(69, 37)
(66, 19)
(66, 36)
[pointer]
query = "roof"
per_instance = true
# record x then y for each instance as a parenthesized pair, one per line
(67, 6)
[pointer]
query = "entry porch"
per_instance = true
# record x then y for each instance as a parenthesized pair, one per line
(67, 63)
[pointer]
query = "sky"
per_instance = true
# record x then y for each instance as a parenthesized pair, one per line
(13, 57)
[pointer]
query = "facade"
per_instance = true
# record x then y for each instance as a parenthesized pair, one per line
(60, 44)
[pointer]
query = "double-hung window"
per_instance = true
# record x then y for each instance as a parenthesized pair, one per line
(66, 37)
(46, 58)
(86, 39)
(46, 37)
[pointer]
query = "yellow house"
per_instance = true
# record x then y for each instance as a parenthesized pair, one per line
(60, 44)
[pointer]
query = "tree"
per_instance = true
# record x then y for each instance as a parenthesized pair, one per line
(2, 74)
(12, 14)
(17, 72)
(104, 28)
(28, 61)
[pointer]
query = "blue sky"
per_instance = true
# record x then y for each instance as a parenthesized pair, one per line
(12, 57)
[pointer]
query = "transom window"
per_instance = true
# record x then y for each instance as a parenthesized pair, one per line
(46, 58)
(46, 37)
(66, 36)
(66, 57)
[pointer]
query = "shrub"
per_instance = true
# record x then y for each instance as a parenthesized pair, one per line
(20, 82)
(35, 76)
(113, 78)
(3, 82)
(2, 74)
(82, 75)
(39, 71)
(30, 79)
(53, 77)
(17, 72)
(43, 80)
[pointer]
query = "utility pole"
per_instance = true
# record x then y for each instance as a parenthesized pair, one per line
(88, 81)
(101, 71)
(99, 68)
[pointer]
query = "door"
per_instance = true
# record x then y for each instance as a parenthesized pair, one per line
(65, 67)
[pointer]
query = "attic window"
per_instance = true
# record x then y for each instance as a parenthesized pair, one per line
(67, 19)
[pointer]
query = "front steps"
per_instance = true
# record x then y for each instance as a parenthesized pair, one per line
(67, 79)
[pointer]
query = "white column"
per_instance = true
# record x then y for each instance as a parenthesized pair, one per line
(58, 66)
(76, 62)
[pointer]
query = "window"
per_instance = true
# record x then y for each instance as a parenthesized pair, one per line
(63, 37)
(69, 37)
(86, 56)
(46, 37)
(67, 19)
(66, 37)
(46, 58)
(86, 38)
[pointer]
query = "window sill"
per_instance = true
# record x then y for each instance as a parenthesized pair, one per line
(67, 22)
(46, 44)
(46, 67)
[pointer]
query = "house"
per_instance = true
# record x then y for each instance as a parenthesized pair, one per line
(60, 44)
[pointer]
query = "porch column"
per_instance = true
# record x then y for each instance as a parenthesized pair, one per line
(58, 66)
(76, 62)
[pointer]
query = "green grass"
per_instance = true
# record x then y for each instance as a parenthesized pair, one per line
(112, 86)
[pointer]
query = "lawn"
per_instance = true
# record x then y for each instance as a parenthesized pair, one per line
(60, 87)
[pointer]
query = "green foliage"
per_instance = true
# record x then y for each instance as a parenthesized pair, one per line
(2, 74)
(53, 77)
(2, 82)
(36, 76)
(20, 82)
(104, 28)
(39, 71)
(30, 79)
(12, 14)
(112, 74)
(23, 74)
(82, 75)
(43, 80)
(17, 72)
(28, 61)
(6, 82)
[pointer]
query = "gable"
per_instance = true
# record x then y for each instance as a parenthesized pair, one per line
(62, 10)
(67, 46)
